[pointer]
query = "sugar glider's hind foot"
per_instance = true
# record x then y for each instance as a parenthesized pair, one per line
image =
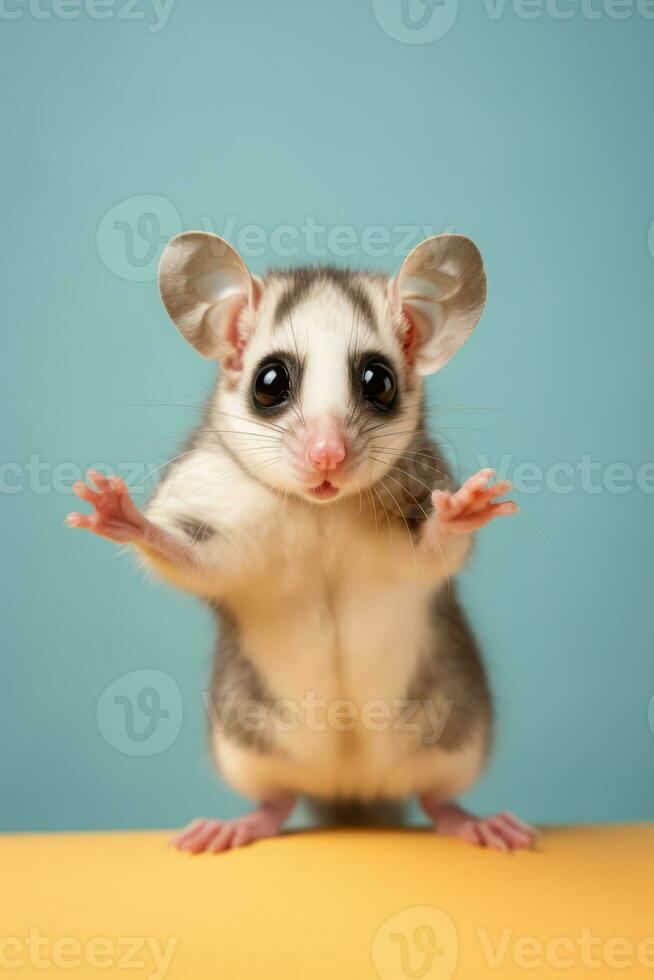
(213, 836)
(502, 832)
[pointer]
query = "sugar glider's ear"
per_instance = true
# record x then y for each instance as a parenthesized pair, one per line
(438, 296)
(210, 295)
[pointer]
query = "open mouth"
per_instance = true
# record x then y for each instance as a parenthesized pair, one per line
(324, 491)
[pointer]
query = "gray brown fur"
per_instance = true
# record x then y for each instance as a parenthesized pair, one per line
(235, 682)
(452, 677)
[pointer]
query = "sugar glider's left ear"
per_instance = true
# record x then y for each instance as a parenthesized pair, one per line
(439, 296)
(210, 295)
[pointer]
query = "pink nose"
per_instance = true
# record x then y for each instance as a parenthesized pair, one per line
(327, 451)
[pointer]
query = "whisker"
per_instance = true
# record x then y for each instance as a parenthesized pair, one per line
(401, 512)
(255, 449)
(188, 452)
(152, 405)
(404, 490)
(149, 474)
(454, 428)
(258, 483)
(243, 476)
(396, 455)
(212, 409)
(250, 421)
(535, 526)
(429, 409)
(390, 529)
(438, 544)
(406, 473)
(228, 432)
(374, 508)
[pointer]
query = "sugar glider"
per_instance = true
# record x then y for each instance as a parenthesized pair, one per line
(314, 514)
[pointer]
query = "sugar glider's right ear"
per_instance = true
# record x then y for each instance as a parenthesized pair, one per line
(210, 295)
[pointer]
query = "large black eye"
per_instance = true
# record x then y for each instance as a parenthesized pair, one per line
(272, 385)
(378, 385)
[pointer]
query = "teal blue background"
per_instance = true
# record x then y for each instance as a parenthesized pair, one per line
(534, 137)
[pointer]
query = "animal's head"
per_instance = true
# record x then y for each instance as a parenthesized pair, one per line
(322, 369)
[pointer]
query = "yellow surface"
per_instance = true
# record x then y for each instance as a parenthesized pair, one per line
(340, 905)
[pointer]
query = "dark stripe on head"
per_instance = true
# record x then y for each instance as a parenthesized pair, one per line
(303, 281)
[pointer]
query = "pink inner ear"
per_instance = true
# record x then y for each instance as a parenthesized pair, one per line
(409, 338)
(410, 335)
(235, 337)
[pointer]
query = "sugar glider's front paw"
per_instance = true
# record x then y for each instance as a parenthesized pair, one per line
(115, 516)
(473, 505)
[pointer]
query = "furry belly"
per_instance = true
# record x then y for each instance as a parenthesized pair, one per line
(259, 775)
(354, 695)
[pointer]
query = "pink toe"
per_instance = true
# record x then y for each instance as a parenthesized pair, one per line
(490, 838)
(203, 838)
(505, 509)
(242, 836)
(221, 840)
(470, 833)
(188, 833)
(520, 824)
(100, 480)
